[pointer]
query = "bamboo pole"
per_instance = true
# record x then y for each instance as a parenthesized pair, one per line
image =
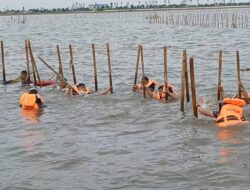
(27, 60)
(32, 63)
(137, 64)
(245, 93)
(165, 74)
(186, 75)
(35, 67)
(72, 64)
(59, 61)
(3, 63)
(193, 88)
(182, 87)
(110, 71)
(238, 72)
(219, 75)
(142, 62)
(53, 70)
(95, 71)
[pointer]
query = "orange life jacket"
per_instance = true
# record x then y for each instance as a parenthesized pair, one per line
(28, 101)
(231, 113)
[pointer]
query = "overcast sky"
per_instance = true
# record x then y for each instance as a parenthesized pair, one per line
(18, 4)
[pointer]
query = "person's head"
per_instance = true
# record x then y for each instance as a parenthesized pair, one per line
(33, 91)
(63, 84)
(145, 80)
(23, 75)
(81, 86)
(160, 90)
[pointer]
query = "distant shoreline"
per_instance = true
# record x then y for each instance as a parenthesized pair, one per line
(125, 10)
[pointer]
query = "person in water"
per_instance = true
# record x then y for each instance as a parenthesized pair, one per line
(230, 113)
(160, 95)
(81, 89)
(150, 84)
(31, 100)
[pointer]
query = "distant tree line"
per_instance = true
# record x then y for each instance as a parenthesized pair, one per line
(116, 6)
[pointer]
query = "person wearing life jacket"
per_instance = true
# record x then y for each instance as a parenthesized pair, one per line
(81, 89)
(150, 84)
(160, 94)
(31, 100)
(231, 112)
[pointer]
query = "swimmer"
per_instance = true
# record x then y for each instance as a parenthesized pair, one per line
(31, 100)
(81, 89)
(231, 112)
(150, 84)
(160, 95)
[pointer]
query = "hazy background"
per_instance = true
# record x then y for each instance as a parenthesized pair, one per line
(27, 4)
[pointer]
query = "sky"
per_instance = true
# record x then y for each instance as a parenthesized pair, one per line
(28, 4)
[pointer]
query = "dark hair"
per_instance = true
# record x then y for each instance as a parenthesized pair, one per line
(146, 78)
(24, 72)
(33, 91)
(169, 88)
(81, 85)
(160, 88)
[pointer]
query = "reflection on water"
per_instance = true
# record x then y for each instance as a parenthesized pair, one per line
(30, 138)
(228, 137)
(31, 116)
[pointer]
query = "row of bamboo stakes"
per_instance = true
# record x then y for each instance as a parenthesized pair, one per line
(69, 17)
(185, 79)
(60, 74)
(202, 19)
(140, 59)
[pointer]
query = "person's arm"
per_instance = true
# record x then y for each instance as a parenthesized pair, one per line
(205, 112)
(106, 91)
(134, 88)
(151, 94)
(70, 91)
(173, 95)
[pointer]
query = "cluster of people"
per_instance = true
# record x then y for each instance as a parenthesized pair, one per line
(161, 93)
(231, 111)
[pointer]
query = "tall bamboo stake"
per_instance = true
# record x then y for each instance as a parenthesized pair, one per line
(3, 63)
(245, 93)
(35, 67)
(27, 60)
(110, 71)
(182, 86)
(238, 72)
(32, 63)
(95, 71)
(137, 64)
(165, 73)
(72, 64)
(142, 62)
(186, 75)
(192, 77)
(219, 75)
(59, 61)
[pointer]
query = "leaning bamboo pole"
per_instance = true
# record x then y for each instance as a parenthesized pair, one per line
(193, 89)
(3, 62)
(59, 61)
(72, 63)
(143, 76)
